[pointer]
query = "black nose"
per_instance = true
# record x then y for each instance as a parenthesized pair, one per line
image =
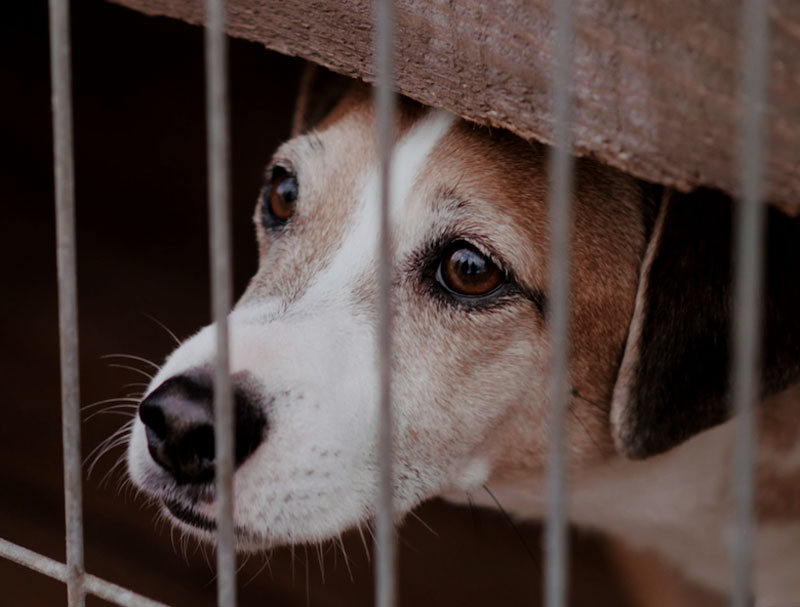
(179, 422)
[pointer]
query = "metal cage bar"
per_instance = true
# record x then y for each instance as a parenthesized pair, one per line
(560, 204)
(217, 119)
(64, 167)
(385, 104)
(58, 571)
(748, 258)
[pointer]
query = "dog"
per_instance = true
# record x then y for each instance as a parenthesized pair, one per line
(650, 436)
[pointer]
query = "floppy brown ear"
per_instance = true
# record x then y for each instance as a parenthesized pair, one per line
(674, 378)
(320, 92)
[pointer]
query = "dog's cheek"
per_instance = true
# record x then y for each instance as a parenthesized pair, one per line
(457, 381)
(313, 475)
(303, 485)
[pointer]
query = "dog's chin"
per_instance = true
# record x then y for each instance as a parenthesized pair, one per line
(185, 515)
(190, 507)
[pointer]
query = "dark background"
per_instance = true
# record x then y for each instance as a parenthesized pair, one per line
(142, 250)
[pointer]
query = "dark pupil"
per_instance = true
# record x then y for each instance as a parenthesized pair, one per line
(287, 189)
(468, 264)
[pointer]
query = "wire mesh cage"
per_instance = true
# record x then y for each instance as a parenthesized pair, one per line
(748, 255)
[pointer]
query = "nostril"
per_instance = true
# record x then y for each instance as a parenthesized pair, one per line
(199, 443)
(179, 428)
(152, 416)
(194, 454)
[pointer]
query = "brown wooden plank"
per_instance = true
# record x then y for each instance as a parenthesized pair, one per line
(656, 81)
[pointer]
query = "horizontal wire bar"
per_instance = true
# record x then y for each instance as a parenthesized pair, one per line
(386, 561)
(217, 120)
(748, 259)
(64, 175)
(51, 568)
(560, 194)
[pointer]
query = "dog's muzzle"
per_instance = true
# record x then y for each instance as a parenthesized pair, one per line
(179, 423)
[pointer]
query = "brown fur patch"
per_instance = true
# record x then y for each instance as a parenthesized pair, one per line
(502, 182)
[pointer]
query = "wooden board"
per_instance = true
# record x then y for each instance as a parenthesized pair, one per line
(656, 81)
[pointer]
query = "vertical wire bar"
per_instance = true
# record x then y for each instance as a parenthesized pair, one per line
(749, 259)
(560, 194)
(386, 561)
(217, 114)
(61, 82)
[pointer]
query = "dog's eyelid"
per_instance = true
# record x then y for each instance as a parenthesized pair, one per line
(480, 244)
(279, 167)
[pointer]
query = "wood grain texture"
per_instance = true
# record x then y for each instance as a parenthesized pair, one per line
(656, 81)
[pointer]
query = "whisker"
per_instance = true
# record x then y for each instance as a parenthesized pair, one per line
(244, 562)
(130, 368)
(118, 399)
(406, 543)
(308, 588)
(291, 560)
(371, 531)
(171, 537)
(473, 513)
(137, 384)
(268, 557)
(320, 559)
(423, 523)
(132, 357)
(257, 573)
(513, 525)
(107, 449)
(346, 560)
(185, 548)
(585, 429)
(102, 446)
(124, 409)
(101, 449)
(163, 326)
(124, 484)
(364, 543)
(88, 474)
(108, 474)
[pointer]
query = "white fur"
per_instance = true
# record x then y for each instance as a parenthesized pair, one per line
(359, 250)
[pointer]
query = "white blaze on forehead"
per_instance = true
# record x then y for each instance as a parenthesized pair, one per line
(358, 250)
(408, 159)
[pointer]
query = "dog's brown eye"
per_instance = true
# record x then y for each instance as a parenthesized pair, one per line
(279, 197)
(465, 271)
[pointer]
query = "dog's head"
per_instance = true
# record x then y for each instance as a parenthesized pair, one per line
(470, 342)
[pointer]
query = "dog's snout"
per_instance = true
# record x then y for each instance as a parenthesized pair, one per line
(179, 424)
